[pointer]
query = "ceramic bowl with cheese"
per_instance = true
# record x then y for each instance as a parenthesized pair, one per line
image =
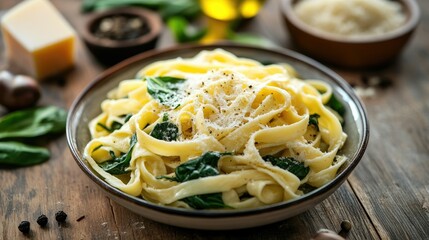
(358, 51)
(87, 107)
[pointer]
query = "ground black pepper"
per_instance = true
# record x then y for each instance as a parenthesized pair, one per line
(24, 227)
(60, 216)
(121, 27)
(42, 220)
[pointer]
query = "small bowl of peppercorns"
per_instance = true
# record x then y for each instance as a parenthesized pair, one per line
(117, 34)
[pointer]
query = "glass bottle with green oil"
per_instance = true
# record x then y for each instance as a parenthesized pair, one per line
(229, 10)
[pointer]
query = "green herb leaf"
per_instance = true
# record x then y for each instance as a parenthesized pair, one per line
(18, 154)
(115, 125)
(205, 201)
(167, 90)
(96, 148)
(267, 62)
(289, 164)
(306, 188)
(127, 117)
(336, 105)
(202, 166)
(184, 8)
(33, 122)
(118, 165)
(314, 120)
(165, 131)
(183, 32)
(167, 8)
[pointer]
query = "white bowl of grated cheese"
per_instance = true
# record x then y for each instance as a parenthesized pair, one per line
(352, 34)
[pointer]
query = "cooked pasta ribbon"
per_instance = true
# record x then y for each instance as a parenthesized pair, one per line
(216, 131)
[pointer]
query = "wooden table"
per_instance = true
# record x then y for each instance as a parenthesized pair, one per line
(386, 197)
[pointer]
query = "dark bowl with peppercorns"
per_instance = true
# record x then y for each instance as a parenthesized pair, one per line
(117, 34)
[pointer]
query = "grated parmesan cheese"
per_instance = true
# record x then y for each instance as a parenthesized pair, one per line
(351, 18)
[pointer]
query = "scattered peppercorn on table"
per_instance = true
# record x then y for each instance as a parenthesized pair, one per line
(386, 197)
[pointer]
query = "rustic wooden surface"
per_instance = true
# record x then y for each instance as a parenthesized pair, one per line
(386, 197)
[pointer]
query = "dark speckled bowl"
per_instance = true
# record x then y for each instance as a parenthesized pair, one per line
(87, 106)
(109, 51)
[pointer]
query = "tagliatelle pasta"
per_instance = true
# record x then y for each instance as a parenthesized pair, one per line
(216, 131)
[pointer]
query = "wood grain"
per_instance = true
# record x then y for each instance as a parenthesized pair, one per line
(386, 197)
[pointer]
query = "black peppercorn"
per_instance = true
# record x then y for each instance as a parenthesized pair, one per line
(42, 220)
(60, 216)
(346, 225)
(24, 227)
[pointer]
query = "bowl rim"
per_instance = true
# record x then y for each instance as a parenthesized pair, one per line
(412, 19)
(152, 19)
(331, 185)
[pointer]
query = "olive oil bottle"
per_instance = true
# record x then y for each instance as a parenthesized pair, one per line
(230, 10)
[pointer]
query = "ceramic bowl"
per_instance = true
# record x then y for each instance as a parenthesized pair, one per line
(109, 51)
(87, 106)
(368, 52)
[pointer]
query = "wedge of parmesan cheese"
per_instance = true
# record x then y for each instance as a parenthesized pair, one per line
(38, 40)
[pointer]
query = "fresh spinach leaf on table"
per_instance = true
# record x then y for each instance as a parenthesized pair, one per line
(166, 8)
(290, 164)
(118, 165)
(33, 122)
(19, 154)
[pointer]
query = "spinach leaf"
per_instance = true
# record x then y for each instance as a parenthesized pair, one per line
(314, 120)
(267, 62)
(185, 8)
(167, 90)
(289, 164)
(205, 201)
(118, 165)
(167, 8)
(306, 188)
(33, 122)
(165, 130)
(127, 117)
(96, 148)
(18, 154)
(115, 125)
(336, 105)
(202, 166)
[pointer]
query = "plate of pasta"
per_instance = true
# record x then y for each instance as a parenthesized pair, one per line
(210, 137)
